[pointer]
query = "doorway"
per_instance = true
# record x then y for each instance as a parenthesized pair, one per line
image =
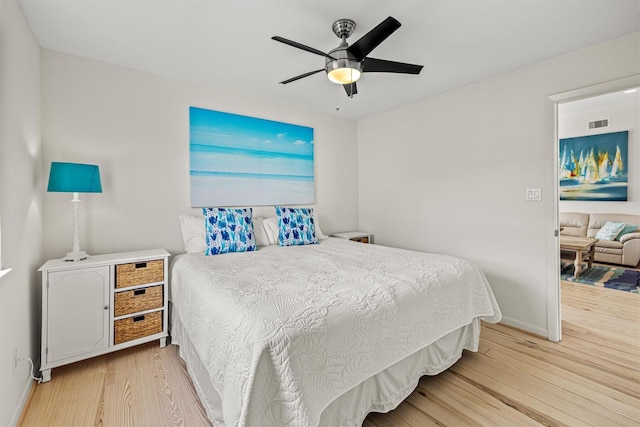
(554, 315)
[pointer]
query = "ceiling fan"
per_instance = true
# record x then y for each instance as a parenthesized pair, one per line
(345, 64)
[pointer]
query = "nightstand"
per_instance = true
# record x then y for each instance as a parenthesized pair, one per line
(102, 304)
(355, 236)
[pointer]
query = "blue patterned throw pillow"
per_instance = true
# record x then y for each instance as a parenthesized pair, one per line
(296, 226)
(228, 230)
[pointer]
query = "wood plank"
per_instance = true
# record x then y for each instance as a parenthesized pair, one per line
(522, 393)
(391, 418)
(427, 400)
(578, 363)
(556, 354)
(148, 400)
(463, 396)
(119, 395)
(597, 394)
(179, 400)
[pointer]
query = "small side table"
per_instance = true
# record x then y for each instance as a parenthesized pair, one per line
(355, 236)
(102, 304)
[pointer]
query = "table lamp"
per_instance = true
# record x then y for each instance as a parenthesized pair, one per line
(74, 178)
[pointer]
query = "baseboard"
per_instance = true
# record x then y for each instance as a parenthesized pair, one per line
(17, 412)
(525, 326)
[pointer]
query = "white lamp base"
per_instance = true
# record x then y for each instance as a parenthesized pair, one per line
(75, 256)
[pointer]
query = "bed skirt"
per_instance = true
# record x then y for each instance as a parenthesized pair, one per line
(380, 393)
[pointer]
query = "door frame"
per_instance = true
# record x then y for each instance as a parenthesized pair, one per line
(554, 303)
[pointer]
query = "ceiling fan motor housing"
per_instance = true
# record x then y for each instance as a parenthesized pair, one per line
(340, 58)
(343, 59)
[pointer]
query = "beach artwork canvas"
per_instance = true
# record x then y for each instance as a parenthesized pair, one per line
(237, 160)
(594, 167)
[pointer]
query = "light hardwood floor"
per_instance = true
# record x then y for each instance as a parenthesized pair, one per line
(592, 377)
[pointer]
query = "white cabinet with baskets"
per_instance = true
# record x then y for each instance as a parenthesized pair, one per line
(102, 304)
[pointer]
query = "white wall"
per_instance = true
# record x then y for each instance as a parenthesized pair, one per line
(623, 112)
(135, 126)
(20, 206)
(448, 174)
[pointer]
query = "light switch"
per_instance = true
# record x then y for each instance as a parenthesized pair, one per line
(533, 194)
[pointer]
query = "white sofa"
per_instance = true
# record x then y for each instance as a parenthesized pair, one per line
(626, 251)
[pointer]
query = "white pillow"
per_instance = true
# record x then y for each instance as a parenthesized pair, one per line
(193, 234)
(261, 234)
(319, 234)
(271, 230)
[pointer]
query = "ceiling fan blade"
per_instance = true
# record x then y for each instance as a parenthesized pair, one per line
(373, 38)
(301, 76)
(301, 46)
(351, 89)
(373, 65)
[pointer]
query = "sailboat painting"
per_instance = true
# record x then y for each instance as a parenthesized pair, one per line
(594, 167)
(238, 160)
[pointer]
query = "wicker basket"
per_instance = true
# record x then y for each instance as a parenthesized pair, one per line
(139, 273)
(136, 327)
(136, 300)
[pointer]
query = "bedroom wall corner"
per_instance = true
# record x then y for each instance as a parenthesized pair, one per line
(456, 172)
(20, 208)
(135, 125)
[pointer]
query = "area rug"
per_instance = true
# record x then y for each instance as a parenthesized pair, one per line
(606, 277)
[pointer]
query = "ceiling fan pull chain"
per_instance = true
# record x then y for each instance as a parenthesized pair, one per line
(337, 97)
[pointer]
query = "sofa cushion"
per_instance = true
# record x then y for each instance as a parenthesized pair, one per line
(609, 230)
(609, 244)
(574, 224)
(608, 251)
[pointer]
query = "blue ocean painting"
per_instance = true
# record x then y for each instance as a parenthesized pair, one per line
(594, 167)
(238, 160)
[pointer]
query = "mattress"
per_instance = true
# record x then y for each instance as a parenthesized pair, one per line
(286, 335)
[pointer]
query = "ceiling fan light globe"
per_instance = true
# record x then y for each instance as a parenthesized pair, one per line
(343, 76)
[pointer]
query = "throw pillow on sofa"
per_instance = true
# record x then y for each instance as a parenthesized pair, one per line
(609, 230)
(626, 230)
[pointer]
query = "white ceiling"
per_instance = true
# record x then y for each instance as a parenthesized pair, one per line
(227, 44)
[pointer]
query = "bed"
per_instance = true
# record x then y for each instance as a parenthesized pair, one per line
(321, 334)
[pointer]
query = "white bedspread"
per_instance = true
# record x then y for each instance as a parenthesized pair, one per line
(285, 330)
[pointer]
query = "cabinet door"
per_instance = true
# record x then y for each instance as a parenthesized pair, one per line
(78, 312)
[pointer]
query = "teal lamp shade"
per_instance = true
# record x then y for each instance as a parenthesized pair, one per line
(74, 178)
